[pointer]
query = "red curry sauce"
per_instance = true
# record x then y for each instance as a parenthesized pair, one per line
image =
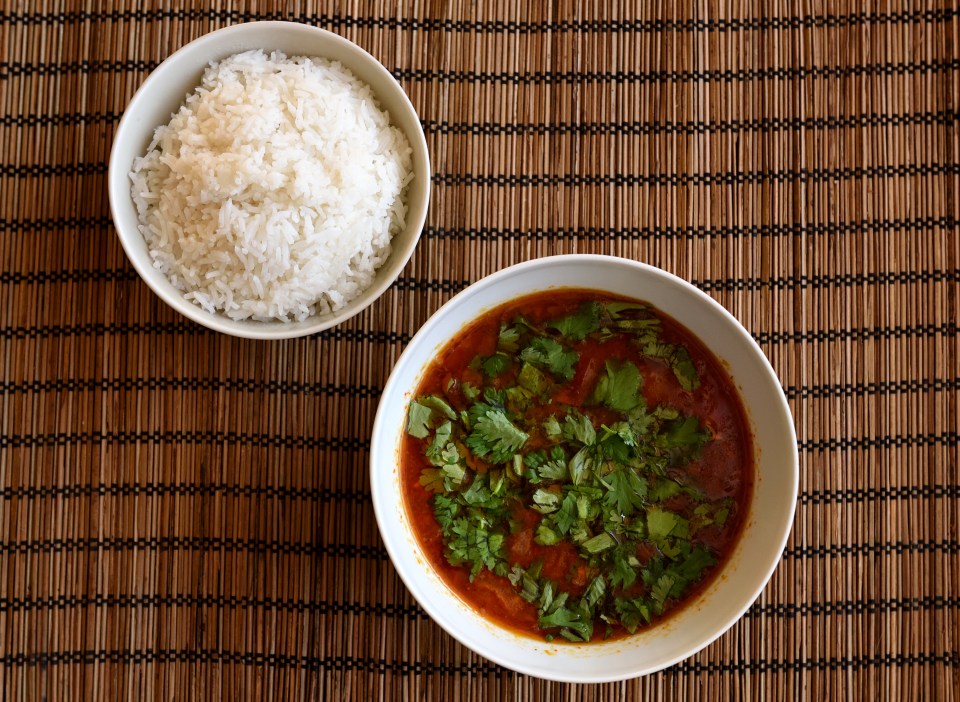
(724, 470)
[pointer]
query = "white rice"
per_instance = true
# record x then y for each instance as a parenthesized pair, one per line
(275, 190)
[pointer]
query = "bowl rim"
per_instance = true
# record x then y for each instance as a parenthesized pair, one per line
(274, 329)
(381, 434)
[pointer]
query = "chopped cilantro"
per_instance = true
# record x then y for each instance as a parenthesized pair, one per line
(664, 489)
(625, 564)
(578, 427)
(600, 542)
(494, 435)
(626, 491)
(546, 536)
(545, 501)
(619, 388)
(678, 358)
(633, 612)
(533, 379)
(551, 427)
(580, 465)
(508, 339)
(616, 310)
(661, 590)
(660, 523)
(580, 324)
(495, 365)
(567, 515)
(548, 355)
(509, 456)
(438, 405)
(573, 624)
(471, 544)
(418, 420)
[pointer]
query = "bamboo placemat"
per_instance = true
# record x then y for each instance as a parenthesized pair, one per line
(184, 515)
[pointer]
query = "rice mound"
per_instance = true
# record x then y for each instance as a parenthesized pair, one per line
(275, 190)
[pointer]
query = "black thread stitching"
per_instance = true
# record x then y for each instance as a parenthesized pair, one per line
(383, 666)
(577, 180)
(591, 233)
(843, 390)
(492, 26)
(16, 69)
(346, 550)
(360, 497)
(633, 128)
(412, 611)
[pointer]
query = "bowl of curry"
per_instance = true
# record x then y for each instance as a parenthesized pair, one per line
(584, 468)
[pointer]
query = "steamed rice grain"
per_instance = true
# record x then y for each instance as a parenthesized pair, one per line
(275, 191)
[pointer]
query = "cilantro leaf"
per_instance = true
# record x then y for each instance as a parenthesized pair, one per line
(692, 567)
(445, 509)
(548, 355)
(418, 420)
(616, 309)
(683, 369)
(633, 612)
(573, 624)
(660, 523)
(433, 480)
(546, 536)
(675, 356)
(580, 465)
(619, 389)
(686, 432)
(661, 590)
(509, 338)
(595, 590)
(545, 501)
(479, 493)
(438, 405)
(578, 427)
(625, 563)
(449, 475)
(494, 435)
(495, 365)
(439, 443)
(683, 439)
(664, 489)
(626, 491)
(533, 379)
(639, 421)
(614, 448)
(471, 544)
(526, 580)
(470, 391)
(554, 468)
(567, 514)
(551, 427)
(600, 542)
(580, 324)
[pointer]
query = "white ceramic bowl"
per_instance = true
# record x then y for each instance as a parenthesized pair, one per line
(769, 517)
(166, 89)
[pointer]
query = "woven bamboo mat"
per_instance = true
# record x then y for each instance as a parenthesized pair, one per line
(186, 515)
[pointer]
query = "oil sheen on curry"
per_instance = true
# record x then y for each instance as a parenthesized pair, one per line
(576, 466)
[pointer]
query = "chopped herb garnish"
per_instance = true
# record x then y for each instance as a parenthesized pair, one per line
(619, 387)
(496, 364)
(548, 355)
(580, 324)
(494, 436)
(509, 453)
(418, 420)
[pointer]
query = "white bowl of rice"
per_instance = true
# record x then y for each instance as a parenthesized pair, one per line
(269, 180)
